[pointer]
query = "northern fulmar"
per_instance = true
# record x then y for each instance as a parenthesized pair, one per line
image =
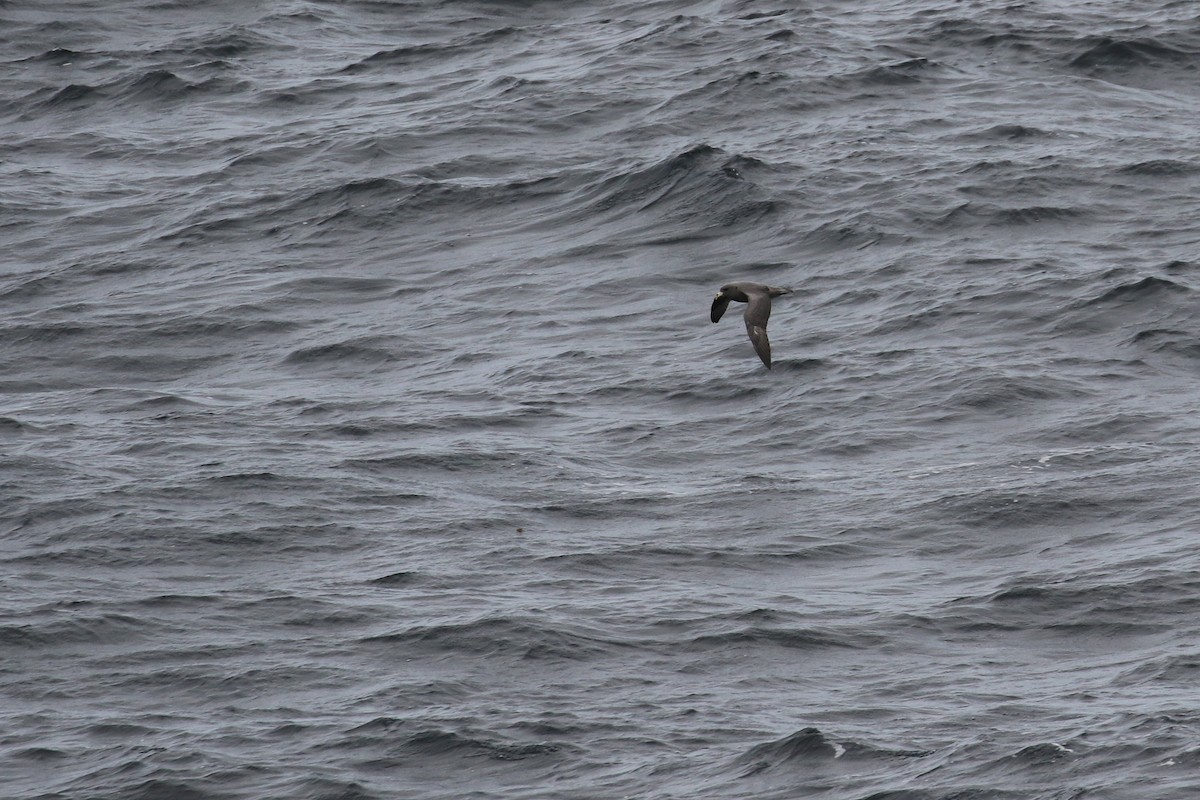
(758, 309)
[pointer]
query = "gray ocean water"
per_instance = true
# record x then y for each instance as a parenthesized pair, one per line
(363, 434)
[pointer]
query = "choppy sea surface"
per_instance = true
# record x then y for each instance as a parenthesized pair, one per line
(363, 434)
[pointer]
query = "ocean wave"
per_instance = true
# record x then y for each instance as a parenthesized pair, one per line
(810, 747)
(1110, 53)
(502, 637)
(365, 432)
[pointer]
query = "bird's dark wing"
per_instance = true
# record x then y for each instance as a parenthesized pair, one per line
(718, 307)
(758, 311)
(762, 345)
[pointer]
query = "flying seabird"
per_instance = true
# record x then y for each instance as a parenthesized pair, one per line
(758, 310)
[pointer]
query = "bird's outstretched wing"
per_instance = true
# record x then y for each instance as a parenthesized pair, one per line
(762, 345)
(718, 307)
(758, 311)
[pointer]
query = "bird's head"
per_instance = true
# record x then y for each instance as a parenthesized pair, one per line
(732, 291)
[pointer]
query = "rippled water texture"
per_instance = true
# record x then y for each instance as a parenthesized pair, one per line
(364, 434)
